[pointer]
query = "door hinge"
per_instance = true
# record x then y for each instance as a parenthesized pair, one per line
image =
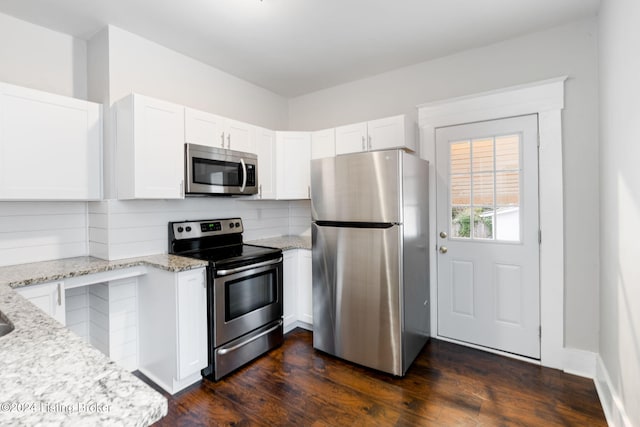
(539, 237)
(539, 331)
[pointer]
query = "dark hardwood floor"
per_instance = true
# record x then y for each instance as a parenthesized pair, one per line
(447, 385)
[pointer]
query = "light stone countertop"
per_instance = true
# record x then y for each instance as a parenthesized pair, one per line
(47, 271)
(49, 375)
(284, 242)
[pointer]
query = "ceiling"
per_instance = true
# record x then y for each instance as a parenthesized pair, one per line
(299, 46)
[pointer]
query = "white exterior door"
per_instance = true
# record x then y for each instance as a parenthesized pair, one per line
(488, 234)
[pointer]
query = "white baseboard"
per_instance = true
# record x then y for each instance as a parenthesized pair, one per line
(580, 362)
(612, 405)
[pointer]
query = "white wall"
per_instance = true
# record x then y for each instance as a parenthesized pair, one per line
(620, 203)
(567, 50)
(43, 59)
(139, 65)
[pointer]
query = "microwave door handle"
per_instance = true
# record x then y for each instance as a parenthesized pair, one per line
(244, 176)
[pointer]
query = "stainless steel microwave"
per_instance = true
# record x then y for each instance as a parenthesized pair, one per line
(210, 170)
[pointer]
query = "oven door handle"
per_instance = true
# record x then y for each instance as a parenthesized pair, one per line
(244, 175)
(224, 351)
(221, 273)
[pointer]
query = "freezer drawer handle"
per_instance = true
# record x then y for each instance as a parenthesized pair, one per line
(224, 351)
(247, 267)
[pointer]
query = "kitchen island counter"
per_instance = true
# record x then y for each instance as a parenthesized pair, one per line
(50, 375)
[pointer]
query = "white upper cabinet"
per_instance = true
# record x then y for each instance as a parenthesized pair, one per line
(50, 146)
(351, 138)
(382, 134)
(266, 151)
(323, 143)
(293, 157)
(240, 136)
(149, 149)
(204, 128)
(216, 131)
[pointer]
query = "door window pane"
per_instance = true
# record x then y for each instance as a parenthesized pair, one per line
(485, 188)
(483, 222)
(461, 222)
(482, 155)
(460, 155)
(508, 188)
(460, 190)
(508, 152)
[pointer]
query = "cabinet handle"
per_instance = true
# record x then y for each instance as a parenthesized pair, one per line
(222, 139)
(363, 147)
(59, 294)
(369, 137)
(308, 192)
(260, 190)
(229, 141)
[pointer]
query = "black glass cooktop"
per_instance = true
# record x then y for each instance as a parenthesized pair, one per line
(236, 255)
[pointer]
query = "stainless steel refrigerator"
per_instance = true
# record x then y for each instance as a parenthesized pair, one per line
(370, 258)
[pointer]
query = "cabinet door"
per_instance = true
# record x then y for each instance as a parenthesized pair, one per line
(391, 132)
(204, 128)
(305, 302)
(50, 146)
(290, 288)
(150, 149)
(191, 300)
(240, 136)
(323, 144)
(351, 138)
(48, 297)
(266, 151)
(293, 158)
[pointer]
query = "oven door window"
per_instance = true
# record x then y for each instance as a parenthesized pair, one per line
(250, 293)
(217, 172)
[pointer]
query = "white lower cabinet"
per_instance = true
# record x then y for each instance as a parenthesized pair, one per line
(172, 311)
(48, 297)
(298, 305)
(290, 289)
(305, 293)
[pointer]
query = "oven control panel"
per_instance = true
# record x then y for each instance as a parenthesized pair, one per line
(214, 227)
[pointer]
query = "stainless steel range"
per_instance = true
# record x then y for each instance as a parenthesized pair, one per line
(244, 291)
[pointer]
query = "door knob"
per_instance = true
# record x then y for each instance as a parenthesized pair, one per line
(443, 234)
(443, 249)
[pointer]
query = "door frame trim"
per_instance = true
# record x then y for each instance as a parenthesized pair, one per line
(546, 99)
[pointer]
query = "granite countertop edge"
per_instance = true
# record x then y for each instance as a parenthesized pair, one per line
(284, 242)
(20, 275)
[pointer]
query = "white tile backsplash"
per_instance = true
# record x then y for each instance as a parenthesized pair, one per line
(121, 229)
(39, 231)
(114, 229)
